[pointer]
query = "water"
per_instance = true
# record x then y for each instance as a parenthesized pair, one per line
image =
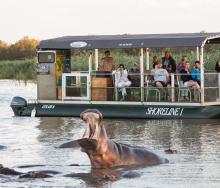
(33, 141)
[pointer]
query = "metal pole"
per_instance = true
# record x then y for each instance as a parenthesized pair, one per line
(90, 62)
(142, 73)
(147, 59)
(172, 88)
(202, 76)
(197, 53)
(63, 86)
(96, 59)
(218, 87)
(90, 75)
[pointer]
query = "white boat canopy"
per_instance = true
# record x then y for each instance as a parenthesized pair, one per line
(131, 41)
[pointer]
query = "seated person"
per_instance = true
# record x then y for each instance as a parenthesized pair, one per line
(187, 79)
(121, 79)
(182, 63)
(107, 63)
(217, 66)
(134, 76)
(161, 76)
(195, 72)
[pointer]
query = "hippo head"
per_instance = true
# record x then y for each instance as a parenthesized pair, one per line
(92, 118)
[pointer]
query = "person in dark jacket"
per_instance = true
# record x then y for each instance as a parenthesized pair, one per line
(168, 60)
(217, 66)
(134, 75)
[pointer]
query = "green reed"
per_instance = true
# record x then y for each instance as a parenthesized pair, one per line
(18, 69)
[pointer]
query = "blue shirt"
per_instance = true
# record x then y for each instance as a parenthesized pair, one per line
(195, 74)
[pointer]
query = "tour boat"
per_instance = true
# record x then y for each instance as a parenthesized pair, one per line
(65, 92)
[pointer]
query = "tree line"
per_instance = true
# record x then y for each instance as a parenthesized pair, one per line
(24, 48)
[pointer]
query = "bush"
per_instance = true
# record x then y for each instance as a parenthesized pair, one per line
(18, 69)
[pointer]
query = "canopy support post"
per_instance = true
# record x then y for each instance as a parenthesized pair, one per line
(90, 74)
(147, 59)
(96, 59)
(90, 62)
(218, 86)
(197, 53)
(172, 88)
(142, 73)
(202, 75)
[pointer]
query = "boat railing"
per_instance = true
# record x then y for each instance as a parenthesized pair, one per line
(212, 87)
(100, 86)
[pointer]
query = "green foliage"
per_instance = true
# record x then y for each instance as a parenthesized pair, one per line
(16, 60)
(79, 62)
(19, 69)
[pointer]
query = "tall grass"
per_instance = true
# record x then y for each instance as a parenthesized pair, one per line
(18, 69)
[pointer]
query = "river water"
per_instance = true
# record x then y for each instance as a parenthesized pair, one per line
(34, 141)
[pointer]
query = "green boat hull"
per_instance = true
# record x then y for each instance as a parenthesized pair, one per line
(121, 111)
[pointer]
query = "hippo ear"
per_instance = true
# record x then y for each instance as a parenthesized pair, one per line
(85, 111)
(100, 116)
(81, 115)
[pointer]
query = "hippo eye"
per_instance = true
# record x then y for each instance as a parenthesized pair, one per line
(84, 118)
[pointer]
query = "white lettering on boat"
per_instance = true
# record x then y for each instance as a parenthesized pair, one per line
(160, 111)
(125, 44)
(46, 106)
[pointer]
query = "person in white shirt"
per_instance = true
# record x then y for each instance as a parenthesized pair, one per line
(121, 79)
(161, 76)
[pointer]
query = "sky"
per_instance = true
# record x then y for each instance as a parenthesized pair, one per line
(43, 19)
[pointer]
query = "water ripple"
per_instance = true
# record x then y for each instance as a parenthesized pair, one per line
(33, 141)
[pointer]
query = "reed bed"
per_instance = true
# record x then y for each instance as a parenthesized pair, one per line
(18, 69)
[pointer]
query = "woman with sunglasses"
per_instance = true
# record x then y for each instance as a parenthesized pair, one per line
(121, 80)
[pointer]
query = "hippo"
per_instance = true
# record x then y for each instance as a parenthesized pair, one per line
(35, 175)
(8, 171)
(106, 153)
(31, 174)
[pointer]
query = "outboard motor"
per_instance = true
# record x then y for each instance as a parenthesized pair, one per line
(18, 104)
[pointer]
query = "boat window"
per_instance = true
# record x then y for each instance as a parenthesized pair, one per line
(46, 57)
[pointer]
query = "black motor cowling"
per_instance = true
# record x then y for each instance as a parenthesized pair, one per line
(18, 104)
